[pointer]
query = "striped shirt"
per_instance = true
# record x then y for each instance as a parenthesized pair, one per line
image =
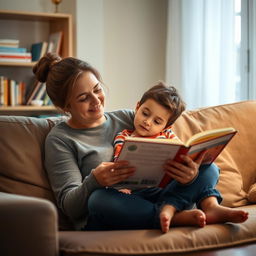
(120, 138)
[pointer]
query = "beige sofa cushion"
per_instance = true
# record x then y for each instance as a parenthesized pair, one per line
(237, 161)
(22, 150)
(21, 166)
(153, 242)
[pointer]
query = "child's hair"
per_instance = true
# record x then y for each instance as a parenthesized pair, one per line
(168, 97)
(60, 76)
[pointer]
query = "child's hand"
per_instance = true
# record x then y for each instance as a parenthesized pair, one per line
(125, 191)
(186, 171)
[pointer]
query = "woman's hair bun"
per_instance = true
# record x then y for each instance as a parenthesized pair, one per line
(42, 68)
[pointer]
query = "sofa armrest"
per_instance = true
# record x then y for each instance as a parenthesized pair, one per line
(28, 226)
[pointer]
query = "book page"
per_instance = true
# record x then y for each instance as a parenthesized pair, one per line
(213, 147)
(148, 159)
(209, 134)
(175, 140)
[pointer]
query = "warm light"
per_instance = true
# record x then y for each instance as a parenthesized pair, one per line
(56, 2)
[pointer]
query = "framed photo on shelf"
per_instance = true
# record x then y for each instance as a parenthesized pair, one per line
(54, 43)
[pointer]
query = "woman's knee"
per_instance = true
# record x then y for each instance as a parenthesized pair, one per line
(97, 199)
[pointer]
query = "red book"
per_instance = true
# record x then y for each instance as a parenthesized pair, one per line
(15, 56)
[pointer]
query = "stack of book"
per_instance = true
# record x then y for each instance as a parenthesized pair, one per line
(12, 93)
(11, 52)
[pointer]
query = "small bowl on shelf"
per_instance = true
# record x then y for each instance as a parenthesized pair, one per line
(37, 103)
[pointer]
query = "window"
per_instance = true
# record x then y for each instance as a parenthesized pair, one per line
(211, 50)
(242, 50)
(245, 49)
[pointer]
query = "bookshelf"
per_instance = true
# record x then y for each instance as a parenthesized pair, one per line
(29, 28)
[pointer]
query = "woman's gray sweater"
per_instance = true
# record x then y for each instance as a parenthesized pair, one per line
(70, 156)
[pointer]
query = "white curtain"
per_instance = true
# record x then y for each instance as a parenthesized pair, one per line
(252, 47)
(201, 56)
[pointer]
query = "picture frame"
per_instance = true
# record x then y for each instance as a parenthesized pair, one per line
(55, 41)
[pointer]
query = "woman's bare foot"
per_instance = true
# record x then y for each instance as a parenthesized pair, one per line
(216, 213)
(165, 216)
(193, 217)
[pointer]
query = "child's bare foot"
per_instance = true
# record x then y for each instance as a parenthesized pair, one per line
(222, 214)
(165, 216)
(193, 217)
(216, 213)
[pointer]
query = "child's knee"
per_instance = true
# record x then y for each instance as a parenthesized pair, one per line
(211, 171)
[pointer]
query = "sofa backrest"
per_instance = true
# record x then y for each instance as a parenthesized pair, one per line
(21, 160)
(22, 150)
(237, 161)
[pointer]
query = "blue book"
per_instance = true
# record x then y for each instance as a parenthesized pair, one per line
(12, 49)
(38, 50)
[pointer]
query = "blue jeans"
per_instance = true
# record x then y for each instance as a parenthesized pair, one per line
(110, 209)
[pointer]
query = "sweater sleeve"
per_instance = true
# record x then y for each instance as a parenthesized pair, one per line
(71, 191)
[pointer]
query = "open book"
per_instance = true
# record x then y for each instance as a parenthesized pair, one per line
(149, 155)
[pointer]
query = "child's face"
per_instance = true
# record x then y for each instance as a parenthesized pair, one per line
(150, 118)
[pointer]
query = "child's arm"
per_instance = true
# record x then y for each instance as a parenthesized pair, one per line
(118, 144)
(117, 151)
(169, 134)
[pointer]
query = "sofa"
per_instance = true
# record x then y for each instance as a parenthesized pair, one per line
(32, 225)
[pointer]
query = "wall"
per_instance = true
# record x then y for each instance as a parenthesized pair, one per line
(134, 55)
(90, 32)
(173, 44)
(124, 39)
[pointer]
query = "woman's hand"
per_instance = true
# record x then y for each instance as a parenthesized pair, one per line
(184, 172)
(110, 173)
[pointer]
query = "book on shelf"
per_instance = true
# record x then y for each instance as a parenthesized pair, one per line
(46, 100)
(38, 50)
(55, 41)
(2, 89)
(13, 60)
(32, 92)
(149, 155)
(9, 43)
(15, 56)
(12, 49)
(41, 92)
(12, 93)
(38, 94)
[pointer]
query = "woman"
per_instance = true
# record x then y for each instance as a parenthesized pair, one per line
(78, 155)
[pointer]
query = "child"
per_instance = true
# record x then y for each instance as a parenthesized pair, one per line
(159, 107)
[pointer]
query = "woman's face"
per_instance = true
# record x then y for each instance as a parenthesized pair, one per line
(86, 104)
